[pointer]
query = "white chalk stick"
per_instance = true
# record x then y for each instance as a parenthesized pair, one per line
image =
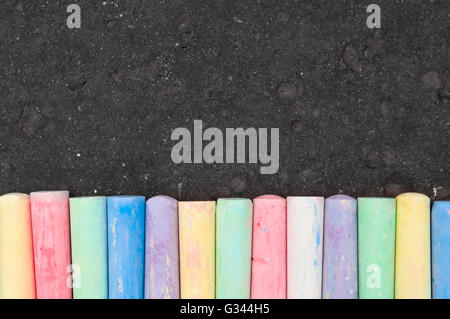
(304, 247)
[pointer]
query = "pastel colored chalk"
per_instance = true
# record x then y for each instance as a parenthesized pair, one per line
(161, 249)
(269, 256)
(440, 243)
(89, 241)
(233, 248)
(197, 249)
(126, 246)
(340, 276)
(16, 248)
(51, 242)
(412, 262)
(376, 247)
(304, 247)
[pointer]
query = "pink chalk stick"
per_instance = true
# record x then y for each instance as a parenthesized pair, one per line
(51, 243)
(269, 258)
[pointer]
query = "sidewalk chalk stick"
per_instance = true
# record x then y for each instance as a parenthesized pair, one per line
(161, 249)
(51, 242)
(197, 249)
(304, 247)
(376, 247)
(412, 259)
(340, 275)
(16, 248)
(269, 255)
(440, 219)
(126, 246)
(89, 247)
(233, 248)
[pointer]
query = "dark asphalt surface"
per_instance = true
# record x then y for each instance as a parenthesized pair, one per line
(360, 111)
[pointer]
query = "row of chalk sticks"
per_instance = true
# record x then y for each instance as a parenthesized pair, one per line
(123, 247)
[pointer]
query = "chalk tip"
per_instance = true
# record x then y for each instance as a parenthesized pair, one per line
(14, 196)
(13, 199)
(234, 203)
(49, 195)
(269, 197)
(234, 200)
(87, 198)
(412, 196)
(161, 198)
(196, 203)
(125, 197)
(304, 198)
(376, 199)
(341, 197)
(441, 204)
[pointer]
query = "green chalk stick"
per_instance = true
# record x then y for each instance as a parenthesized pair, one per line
(89, 247)
(376, 247)
(233, 248)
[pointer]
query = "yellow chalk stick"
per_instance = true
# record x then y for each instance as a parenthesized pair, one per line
(412, 265)
(197, 249)
(16, 248)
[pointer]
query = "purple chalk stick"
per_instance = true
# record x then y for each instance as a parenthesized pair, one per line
(161, 249)
(340, 252)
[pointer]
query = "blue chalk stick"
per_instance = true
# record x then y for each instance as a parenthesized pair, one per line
(126, 246)
(440, 244)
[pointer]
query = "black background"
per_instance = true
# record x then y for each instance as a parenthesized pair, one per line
(363, 112)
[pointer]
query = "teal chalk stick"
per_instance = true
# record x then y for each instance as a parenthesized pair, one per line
(233, 248)
(88, 234)
(376, 247)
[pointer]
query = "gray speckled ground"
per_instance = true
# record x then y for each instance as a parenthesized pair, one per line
(360, 111)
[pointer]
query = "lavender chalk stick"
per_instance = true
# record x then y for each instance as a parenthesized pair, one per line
(161, 249)
(340, 276)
